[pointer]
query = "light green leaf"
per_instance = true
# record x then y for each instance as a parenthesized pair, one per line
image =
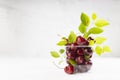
(95, 30)
(100, 40)
(55, 54)
(94, 16)
(91, 42)
(72, 62)
(62, 42)
(72, 37)
(98, 50)
(101, 23)
(82, 28)
(61, 51)
(85, 19)
(106, 49)
(87, 57)
(86, 35)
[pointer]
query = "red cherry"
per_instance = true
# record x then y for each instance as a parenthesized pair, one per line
(88, 50)
(70, 55)
(80, 51)
(88, 63)
(79, 60)
(86, 43)
(73, 46)
(69, 69)
(81, 41)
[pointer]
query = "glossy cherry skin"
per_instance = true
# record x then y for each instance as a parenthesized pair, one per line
(69, 69)
(79, 60)
(80, 52)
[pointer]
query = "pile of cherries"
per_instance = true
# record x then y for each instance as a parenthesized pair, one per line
(80, 52)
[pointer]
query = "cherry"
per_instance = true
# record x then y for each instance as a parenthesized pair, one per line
(86, 43)
(88, 50)
(70, 56)
(68, 48)
(81, 55)
(80, 39)
(80, 51)
(69, 69)
(88, 63)
(73, 46)
(79, 60)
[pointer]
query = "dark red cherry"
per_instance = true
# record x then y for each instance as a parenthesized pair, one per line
(68, 48)
(70, 55)
(79, 60)
(86, 43)
(73, 46)
(80, 39)
(88, 50)
(88, 63)
(80, 51)
(69, 69)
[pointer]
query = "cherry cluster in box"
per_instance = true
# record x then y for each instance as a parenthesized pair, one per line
(79, 48)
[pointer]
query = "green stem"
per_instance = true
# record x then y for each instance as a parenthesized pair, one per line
(85, 35)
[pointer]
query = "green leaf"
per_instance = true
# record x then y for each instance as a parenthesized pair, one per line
(100, 40)
(55, 54)
(72, 62)
(62, 42)
(86, 35)
(61, 51)
(94, 16)
(91, 42)
(85, 19)
(95, 30)
(82, 28)
(87, 57)
(106, 49)
(101, 23)
(72, 37)
(98, 50)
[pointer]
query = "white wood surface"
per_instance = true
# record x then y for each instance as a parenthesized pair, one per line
(43, 69)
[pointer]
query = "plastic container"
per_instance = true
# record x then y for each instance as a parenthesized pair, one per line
(79, 57)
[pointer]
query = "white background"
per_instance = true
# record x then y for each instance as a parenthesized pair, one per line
(29, 28)
(28, 32)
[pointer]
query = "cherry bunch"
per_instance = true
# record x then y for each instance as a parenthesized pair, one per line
(78, 56)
